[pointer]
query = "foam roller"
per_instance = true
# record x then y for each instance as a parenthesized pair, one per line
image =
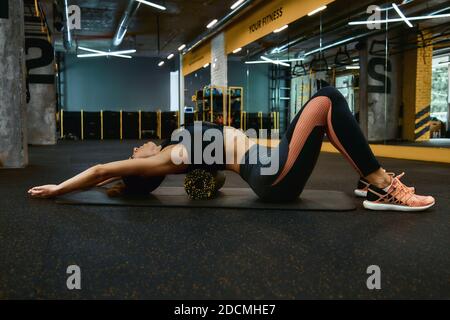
(202, 185)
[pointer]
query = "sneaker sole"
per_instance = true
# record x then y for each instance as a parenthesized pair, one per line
(393, 207)
(360, 193)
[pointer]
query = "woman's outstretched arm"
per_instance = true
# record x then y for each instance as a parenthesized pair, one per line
(158, 165)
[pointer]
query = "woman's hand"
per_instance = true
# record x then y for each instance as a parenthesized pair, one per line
(47, 191)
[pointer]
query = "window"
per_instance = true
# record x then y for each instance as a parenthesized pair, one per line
(345, 85)
(440, 88)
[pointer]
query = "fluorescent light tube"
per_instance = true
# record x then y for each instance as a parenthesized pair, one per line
(98, 53)
(275, 61)
(212, 23)
(355, 23)
(400, 13)
(317, 10)
(236, 4)
(280, 29)
(152, 4)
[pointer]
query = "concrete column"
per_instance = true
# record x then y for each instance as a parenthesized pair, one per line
(417, 78)
(219, 66)
(13, 137)
(41, 108)
(383, 90)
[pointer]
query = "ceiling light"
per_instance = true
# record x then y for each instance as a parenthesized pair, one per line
(439, 11)
(293, 60)
(206, 65)
(355, 23)
(317, 10)
(280, 29)
(237, 50)
(352, 67)
(161, 64)
(275, 61)
(152, 4)
(212, 23)
(106, 54)
(195, 45)
(275, 50)
(181, 47)
(170, 56)
(391, 7)
(98, 53)
(257, 62)
(400, 13)
(236, 4)
(270, 61)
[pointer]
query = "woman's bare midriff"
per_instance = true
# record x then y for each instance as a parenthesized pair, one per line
(236, 145)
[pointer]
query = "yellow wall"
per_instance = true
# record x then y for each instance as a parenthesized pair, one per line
(197, 58)
(430, 154)
(417, 77)
(266, 18)
(252, 26)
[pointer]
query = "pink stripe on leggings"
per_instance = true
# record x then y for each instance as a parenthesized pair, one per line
(316, 113)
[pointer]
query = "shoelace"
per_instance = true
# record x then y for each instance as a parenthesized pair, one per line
(401, 192)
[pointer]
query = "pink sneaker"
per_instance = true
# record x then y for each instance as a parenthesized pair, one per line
(398, 197)
(363, 186)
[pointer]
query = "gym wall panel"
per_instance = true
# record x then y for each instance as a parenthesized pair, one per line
(91, 125)
(256, 86)
(116, 84)
(195, 81)
(130, 125)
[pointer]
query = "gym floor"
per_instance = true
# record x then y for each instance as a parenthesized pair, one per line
(172, 253)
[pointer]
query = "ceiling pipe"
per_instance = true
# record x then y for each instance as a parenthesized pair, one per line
(124, 23)
(221, 24)
(67, 36)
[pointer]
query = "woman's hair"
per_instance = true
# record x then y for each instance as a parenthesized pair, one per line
(135, 185)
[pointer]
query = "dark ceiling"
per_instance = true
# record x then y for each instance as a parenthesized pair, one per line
(157, 33)
(152, 32)
(305, 34)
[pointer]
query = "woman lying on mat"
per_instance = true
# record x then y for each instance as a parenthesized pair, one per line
(295, 157)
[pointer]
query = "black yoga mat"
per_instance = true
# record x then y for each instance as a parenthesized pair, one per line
(233, 198)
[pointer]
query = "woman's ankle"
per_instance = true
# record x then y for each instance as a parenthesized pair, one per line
(379, 179)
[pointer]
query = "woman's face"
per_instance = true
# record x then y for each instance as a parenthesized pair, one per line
(148, 149)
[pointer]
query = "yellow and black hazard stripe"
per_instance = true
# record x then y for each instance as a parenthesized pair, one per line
(422, 126)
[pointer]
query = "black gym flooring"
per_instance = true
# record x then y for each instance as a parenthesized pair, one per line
(170, 253)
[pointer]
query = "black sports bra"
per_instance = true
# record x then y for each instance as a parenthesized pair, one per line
(199, 161)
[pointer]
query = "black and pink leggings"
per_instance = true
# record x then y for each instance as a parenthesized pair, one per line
(327, 111)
